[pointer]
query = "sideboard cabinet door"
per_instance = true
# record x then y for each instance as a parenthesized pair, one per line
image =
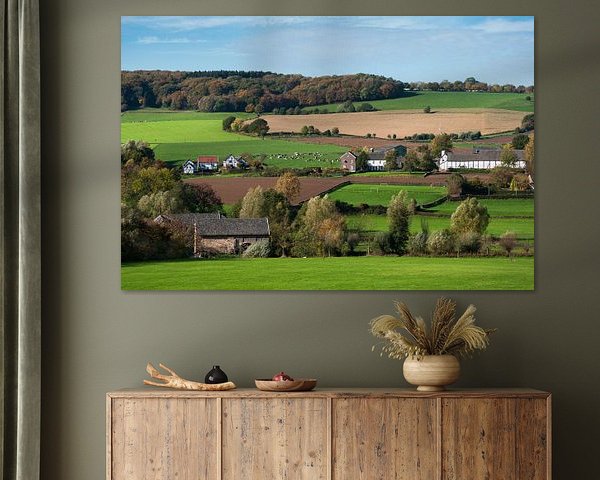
(164, 438)
(384, 438)
(494, 439)
(275, 438)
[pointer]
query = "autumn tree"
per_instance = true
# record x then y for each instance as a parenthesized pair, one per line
(470, 216)
(137, 153)
(289, 185)
(322, 227)
(440, 142)
(390, 160)
(530, 154)
(362, 161)
(252, 203)
(398, 214)
(508, 157)
(137, 182)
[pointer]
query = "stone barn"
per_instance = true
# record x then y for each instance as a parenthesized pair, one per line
(215, 234)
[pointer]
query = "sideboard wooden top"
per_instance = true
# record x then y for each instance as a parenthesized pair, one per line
(332, 393)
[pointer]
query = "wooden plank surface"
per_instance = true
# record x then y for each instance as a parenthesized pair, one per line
(157, 439)
(478, 439)
(384, 439)
(333, 393)
(532, 439)
(278, 438)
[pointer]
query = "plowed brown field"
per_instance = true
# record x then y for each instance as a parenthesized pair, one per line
(234, 188)
(403, 122)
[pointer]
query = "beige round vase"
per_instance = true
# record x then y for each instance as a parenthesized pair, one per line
(431, 373)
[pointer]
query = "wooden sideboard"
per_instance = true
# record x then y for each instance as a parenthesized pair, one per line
(335, 434)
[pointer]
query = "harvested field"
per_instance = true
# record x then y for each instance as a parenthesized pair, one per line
(232, 189)
(402, 122)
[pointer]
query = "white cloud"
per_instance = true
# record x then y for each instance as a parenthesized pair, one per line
(181, 23)
(151, 40)
(503, 25)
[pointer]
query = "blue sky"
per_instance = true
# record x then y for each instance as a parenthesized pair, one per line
(492, 49)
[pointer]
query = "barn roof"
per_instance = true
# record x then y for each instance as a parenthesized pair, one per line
(216, 225)
(484, 155)
(207, 159)
(234, 227)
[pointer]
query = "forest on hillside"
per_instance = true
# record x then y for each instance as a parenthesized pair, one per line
(232, 91)
(238, 91)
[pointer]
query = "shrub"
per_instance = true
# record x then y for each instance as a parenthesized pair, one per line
(455, 184)
(227, 122)
(383, 242)
(417, 243)
(260, 249)
(519, 141)
(469, 242)
(502, 176)
(441, 242)
(508, 241)
(470, 216)
(427, 109)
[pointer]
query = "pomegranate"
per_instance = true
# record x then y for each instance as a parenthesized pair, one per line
(282, 377)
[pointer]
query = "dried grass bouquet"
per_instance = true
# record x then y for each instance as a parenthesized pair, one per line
(407, 335)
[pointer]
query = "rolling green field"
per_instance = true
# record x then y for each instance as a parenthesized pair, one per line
(437, 100)
(375, 194)
(509, 207)
(523, 227)
(178, 136)
(333, 273)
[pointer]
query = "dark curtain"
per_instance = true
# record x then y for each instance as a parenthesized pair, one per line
(20, 317)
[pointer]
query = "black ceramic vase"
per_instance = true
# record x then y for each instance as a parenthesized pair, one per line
(216, 375)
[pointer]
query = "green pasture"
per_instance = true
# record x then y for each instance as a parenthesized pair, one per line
(523, 227)
(437, 100)
(333, 273)
(163, 115)
(307, 153)
(178, 136)
(380, 194)
(509, 207)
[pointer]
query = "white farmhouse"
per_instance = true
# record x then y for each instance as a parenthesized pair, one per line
(479, 158)
(189, 167)
(234, 162)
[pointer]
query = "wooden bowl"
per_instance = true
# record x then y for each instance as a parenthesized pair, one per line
(298, 385)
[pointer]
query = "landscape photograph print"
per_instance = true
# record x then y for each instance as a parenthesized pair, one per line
(327, 153)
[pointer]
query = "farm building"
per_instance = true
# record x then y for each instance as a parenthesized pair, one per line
(207, 163)
(234, 162)
(216, 234)
(478, 158)
(189, 167)
(376, 160)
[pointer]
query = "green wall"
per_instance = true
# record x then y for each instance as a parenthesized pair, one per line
(97, 338)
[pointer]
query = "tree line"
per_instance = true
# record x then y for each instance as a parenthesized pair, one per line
(470, 84)
(232, 91)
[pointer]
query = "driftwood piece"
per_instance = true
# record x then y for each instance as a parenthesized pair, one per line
(175, 381)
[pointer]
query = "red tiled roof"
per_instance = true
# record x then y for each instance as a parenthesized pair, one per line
(207, 159)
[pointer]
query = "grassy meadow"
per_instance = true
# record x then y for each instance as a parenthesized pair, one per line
(523, 227)
(381, 194)
(332, 273)
(178, 136)
(419, 100)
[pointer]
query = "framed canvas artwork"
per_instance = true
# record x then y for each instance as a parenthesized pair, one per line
(327, 153)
